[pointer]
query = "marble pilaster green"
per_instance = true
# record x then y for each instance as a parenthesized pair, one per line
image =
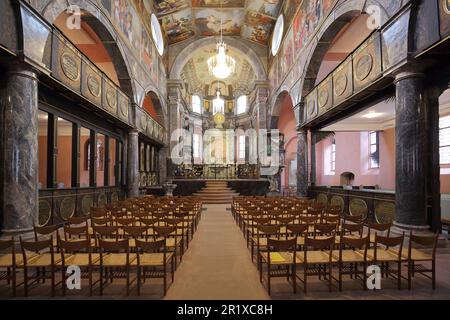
(19, 150)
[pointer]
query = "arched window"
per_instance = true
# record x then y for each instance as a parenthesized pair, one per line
(196, 104)
(242, 104)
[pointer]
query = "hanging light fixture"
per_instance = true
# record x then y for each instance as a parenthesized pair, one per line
(221, 65)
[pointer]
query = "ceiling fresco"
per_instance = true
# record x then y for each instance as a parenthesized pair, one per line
(253, 20)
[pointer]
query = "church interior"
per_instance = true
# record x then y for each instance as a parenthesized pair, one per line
(225, 149)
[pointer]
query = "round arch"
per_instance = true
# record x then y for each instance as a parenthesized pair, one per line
(157, 104)
(280, 99)
(315, 52)
(95, 18)
(189, 51)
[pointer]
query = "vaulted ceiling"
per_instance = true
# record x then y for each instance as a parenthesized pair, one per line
(200, 81)
(250, 19)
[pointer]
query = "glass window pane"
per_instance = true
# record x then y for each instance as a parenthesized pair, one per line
(100, 160)
(64, 158)
(373, 149)
(444, 154)
(444, 122)
(196, 104)
(43, 148)
(112, 161)
(444, 137)
(373, 163)
(85, 156)
(242, 104)
(373, 137)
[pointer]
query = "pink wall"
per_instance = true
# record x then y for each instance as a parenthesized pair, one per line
(287, 125)
(352, 155)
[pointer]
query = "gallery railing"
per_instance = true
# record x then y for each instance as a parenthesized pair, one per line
(217, 171)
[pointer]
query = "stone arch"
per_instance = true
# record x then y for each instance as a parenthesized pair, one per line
(189, 51)
(158, 103)
(337, 19)
(275, 112)
(96, 19)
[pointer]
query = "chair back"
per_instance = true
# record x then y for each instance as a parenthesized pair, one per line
(297, 229)
(151, 246)
(104, 221)
(350, 228)
(108, 246)
(71, 231)
(165, 231)
(282, 245)
(380, 228)
(45, 231)
(394, 244)
(136, 232)
(308, 220)
(423, 241)
(37, 246)
(319, 244)
(105, 232)
(324, 229)
(78, 220)
(354, 219)
(8, 244)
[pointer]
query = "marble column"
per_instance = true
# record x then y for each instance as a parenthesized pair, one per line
(411, 153)
(133, 164)
(302, 162)
(19, 150)
(175, 106)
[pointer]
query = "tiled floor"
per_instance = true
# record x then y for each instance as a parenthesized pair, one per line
(217, 265)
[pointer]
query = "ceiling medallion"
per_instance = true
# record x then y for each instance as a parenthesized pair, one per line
(221, 65)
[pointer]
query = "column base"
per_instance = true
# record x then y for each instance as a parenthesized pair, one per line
(400, 228)
(25, 234)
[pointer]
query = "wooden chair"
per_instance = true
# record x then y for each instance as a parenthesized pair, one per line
(299, 231)
(78, 220)
(104, 221)
(324, 230)
(114, 257)
(380, 229)
(281, 254)
(9, 261)
(425, 253)
(319, 254)
(388, 250)
(38, 255)
(150, 259)
(355, 219)
(173, 241)
(353, 253)
(259, 240)
(78, 253)
(46, 232)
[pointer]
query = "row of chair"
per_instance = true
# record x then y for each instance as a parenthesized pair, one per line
(323, 242)
(106, 244)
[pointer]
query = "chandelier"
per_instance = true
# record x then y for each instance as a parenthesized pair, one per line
(221, 65)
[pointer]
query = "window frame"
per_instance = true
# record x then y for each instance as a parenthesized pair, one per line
(199, 104)
(241, 147)
(238, 111)
(374, 155)
(440, 145)
(333, 156)
(77, 162)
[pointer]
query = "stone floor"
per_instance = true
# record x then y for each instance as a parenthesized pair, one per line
(217, 265)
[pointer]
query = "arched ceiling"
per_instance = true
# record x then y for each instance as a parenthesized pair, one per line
(197, 77)
(252, 20)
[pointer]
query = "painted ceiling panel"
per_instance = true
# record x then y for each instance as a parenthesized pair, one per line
(253, 20)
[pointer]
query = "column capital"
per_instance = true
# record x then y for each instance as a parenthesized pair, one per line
(261, 84)
(22, 69)
(406, 75)
(133, 132)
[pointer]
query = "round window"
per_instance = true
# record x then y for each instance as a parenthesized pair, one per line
(277, 35)
(157, 35)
